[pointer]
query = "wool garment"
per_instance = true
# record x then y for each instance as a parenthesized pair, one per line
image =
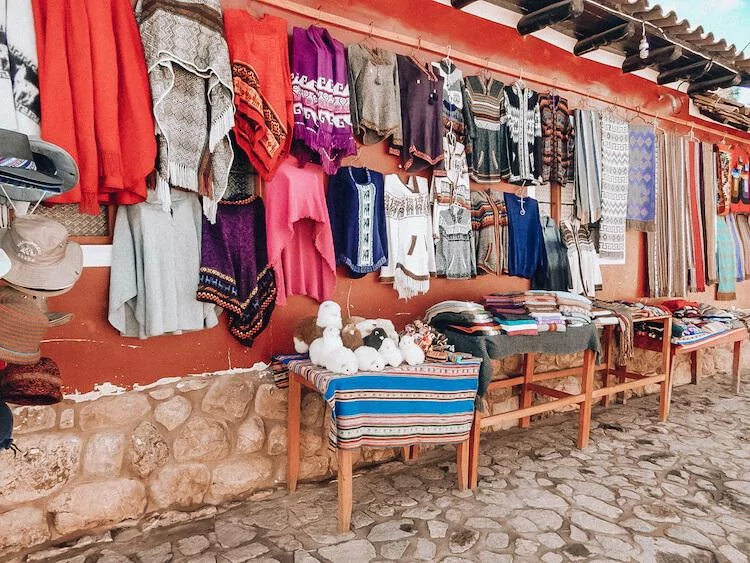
(155, 262)
(421, 92)
(105, 124)
(658, 241)
(323, 131)
(557, 274)
(19, 77)
(696, 219)
(486, 130)
(740, 172)
(489, 219)
(726, 289)
(724, 165)
(739, 251)
(558, 139)
(192, 93)
(615, 170)
(411, 251)
(454, 250)
(585, 273)
(641, 178)
(527, 256)
(677, 219)
(234, 272)
(588, 165)
(356, 208)
(453, 99)
(375, 94)
(524, 133)
(259, 54)
(300, 242)
(709, 189)
(743, 228)
(453, 189)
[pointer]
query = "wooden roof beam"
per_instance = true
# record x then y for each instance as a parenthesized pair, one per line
(549, 15)
(663, 55)
(714, 83)
(612, 35)
(692, 71)
(461, 4)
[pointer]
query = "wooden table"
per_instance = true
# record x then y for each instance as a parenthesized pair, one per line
(419, 393)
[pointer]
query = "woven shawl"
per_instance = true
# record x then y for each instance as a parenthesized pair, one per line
(743, 228)
(19, 72)
(698, 282)
(588, 161)
(709, 189)
(739, 251)
(615, 170)
(657, 241)
(726, 290)
(191, 88)
(642, 179)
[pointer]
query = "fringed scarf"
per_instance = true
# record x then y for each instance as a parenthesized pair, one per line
(727, 262)
(743, 227)
(657, 241)
(642, 179)
(615, 167)
(709, 189)
(739, 251)
(191, 87)
(696, 218)
(677, 218)
(588, 165)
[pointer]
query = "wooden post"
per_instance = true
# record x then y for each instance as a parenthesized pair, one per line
(293, 431)
(696, 366)
(345, 490)
(527, 396)
(474, 437)
(667, 357)
(736, 353)
(462, 464)
(587, 388)
(609, 335)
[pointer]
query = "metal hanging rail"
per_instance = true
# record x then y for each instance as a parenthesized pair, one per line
(367, 29)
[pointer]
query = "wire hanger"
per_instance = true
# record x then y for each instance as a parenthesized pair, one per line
(318, 15)
(417, 55)
(447, 59)
(369, 41)
(520, 82)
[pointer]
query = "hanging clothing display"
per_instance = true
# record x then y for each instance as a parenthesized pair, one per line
(411, 251)
(615, 170)
(656, 245)
(320, 85)
(524, 133)
(677, 221)
(556, 277)
(234, 272)
(726, 289)
(375, 94)
(709, 193)
(698, 282)
(740, 174)
(558, 139)
(455, 256)
(486, 130)
(453, 189)
(300, 243)
(724, 164)
(263, 122)
(191, 89)
(743, 228)
(489, 219)
(453, 99)
(739, 252)
(106, 123)
(588, 165)
(356, 208)
(19, 76)
(527, 257)
(154, 275)
(585, 273)
(421, 116)
(641, 178)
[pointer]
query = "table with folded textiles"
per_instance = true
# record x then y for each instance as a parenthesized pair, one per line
(431, 403)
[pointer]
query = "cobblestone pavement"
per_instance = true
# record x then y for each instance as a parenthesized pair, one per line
(643, 491)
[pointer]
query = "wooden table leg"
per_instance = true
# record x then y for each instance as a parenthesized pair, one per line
(406, 453)
(345, 490)
(696, 367)
(667, 360)
(587, 388)
(527, 395)
(736, 353)
(293, 431)
(474, 436)
(609, 334)
(462, 464)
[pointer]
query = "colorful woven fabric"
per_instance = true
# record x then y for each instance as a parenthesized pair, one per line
(432, 403)
(615, 165)
(739, 251)
(727, 262)
(588, 165)
(641, 214)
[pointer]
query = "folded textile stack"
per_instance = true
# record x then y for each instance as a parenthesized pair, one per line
(463, 316)
(550, 322)
(575, 308)
(515, 325)
(542, 307)
(692, 322)
(506, 303)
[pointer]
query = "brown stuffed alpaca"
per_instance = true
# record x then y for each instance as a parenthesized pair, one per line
(311, 328)
(350, 334)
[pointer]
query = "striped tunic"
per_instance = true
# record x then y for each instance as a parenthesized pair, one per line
(489, 221)
(486, 135)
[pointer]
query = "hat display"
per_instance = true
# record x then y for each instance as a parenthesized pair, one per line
(33, 169)
(4, 263)
(13, 293)
(6, 427)
(22, 327)
(41, 256)
(37, 384)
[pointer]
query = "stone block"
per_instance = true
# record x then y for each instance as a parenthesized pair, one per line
(313, 410)
(240, 475)
(228, 397)
(271, 402)
(49, 462)
(277, 440)
(67, 419)
(180, 485)
(21, 528)
(101, 503)
(201, 439)
(162, 393)
(33, 419)
(251, 435)
(188, 385)
(313, 467)
(148, 449)
(114, 412)
(170, 414)
(104, 453)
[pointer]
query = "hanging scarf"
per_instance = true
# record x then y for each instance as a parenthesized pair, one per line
(615, 165)
(708, 191)
(739, 251)
(642, 179)
(727, 262)
(588, 161)
(696, 218)
(191, 87)
(657, 241)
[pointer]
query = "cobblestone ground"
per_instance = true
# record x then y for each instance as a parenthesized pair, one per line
(643, 491)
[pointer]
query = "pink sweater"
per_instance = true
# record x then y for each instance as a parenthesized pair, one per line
(300, 243)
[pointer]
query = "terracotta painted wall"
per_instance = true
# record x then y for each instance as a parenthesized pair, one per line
(89, 351)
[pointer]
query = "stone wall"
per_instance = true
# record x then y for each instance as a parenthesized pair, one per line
(162, 453)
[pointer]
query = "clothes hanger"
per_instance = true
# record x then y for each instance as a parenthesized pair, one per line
(369, 41)
(520, 81)
(638, 116)
(484, 73)
(318, 15)
(447, 59)
(417, 55)
(522, 192)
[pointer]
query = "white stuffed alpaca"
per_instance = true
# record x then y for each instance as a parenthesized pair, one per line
(311, 328)
(413, 354)
(342, 361)
(323, 347)
(369, 359)
(390, 353)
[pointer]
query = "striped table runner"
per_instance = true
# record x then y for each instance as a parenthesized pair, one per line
(432, 403)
